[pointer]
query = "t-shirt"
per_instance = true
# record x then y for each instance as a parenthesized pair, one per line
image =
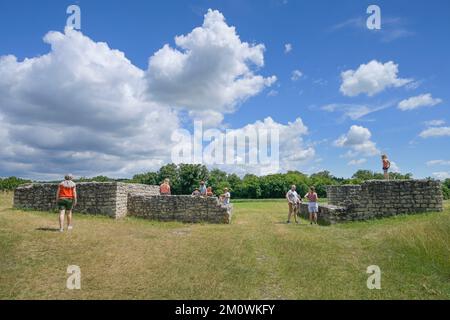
(226, 199)
(386, 164)
(292, 196)
(203, 190)
(66, 189)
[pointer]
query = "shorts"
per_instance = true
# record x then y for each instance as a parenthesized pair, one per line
(313, 207)
(385, 170)
(292, 208)
(65, 204)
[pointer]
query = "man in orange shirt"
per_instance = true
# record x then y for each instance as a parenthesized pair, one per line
(66, 198)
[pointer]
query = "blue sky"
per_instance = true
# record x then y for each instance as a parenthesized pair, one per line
(394, 99)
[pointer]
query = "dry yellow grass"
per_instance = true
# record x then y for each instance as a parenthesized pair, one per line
(256, 257)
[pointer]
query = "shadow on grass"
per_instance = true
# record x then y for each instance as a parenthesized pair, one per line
(47, 229)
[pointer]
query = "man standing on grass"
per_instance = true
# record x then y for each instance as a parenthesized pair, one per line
(293, 203)
(66, 199)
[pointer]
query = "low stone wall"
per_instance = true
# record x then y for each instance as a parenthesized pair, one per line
(109, 198)
(381, 198)
(125, 189)
(179, 208)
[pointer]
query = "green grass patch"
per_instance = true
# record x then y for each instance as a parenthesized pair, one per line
(256, 257)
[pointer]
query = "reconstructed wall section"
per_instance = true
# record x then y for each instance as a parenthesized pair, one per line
(117, 200)
(179, 208)
(380, 198)
(109, 198)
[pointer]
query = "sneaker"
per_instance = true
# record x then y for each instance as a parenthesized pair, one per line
(61, 230)
(69, 228)
(288, 222)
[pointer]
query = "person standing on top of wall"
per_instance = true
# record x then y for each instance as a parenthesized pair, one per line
(164, 188)
(313, 207)
(202, 188)
(293, 202)
(386, 166)
(66, 199)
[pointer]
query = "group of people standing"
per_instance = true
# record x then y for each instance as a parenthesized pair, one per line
(294, 202)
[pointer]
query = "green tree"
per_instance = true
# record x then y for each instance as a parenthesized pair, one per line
(95, 179)
(11, 183)
(150, 178)
(190, 176)
(250, 187)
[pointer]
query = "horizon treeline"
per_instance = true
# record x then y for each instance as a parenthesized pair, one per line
(184, 178)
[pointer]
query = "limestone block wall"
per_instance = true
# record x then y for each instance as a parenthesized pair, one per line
(178, 208)
(125, 189)
(109, 198)
(380, 198)
(328, 214)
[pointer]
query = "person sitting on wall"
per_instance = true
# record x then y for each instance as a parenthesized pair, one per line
(225, 197)
(313, 207)
(202, 188)
(209, 192)
(164, 188)
(196, 192)
(294, 202)
(66, 199)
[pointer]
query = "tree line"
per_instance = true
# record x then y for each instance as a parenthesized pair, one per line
(184, 178)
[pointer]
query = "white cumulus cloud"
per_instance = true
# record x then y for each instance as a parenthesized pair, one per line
(424, 100)
(358, 140)
(371, 78)
(435, 132)
(296, 75)
(287, 48)
(212, 69)
(292, 150)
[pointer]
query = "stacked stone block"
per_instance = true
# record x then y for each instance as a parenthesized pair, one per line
(179, 208)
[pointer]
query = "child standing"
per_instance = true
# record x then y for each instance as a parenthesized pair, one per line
(386, 166)
(313, 207)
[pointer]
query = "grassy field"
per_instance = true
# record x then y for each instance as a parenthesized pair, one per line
(256, 257)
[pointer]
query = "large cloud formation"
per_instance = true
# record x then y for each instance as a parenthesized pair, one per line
(78, 107)
(85, 108)
(213, 70)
